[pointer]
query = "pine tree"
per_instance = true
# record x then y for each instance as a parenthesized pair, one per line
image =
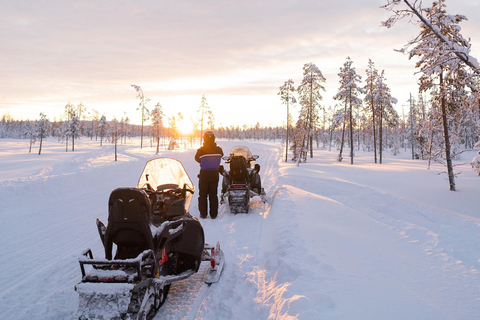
(141, 107)
(41, 129)
(443, 72)
(348, 93)
(205, 114)
(371, 100)
(385, 109)
(309, 99)
(287, 97)
(157, 122)
(103, 128)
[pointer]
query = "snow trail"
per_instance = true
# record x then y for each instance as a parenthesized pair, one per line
(334, 241)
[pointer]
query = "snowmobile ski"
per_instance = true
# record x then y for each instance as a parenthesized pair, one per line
(217, 264)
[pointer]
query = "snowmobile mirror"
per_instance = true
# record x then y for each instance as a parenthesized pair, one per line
(225, 158)
(255, 157)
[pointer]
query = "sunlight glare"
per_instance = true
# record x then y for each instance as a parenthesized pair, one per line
(185, 127)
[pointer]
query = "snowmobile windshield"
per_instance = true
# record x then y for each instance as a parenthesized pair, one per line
(241, 151)
(162, 171)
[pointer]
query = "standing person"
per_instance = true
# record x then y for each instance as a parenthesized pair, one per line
(209, 157)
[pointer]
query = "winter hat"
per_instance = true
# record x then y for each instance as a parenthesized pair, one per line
(209, 137)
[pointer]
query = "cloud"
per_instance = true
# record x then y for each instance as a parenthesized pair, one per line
(91, 51)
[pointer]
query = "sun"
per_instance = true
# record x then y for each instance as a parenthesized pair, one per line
(185, 127)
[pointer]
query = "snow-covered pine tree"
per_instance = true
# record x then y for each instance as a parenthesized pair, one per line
(41, 130)
(385, 109)
(103, 125)
(94, 118)
(157, 123)
(371, 101)
(204, 114)
(414, 12)
(443, 56)
(141, 106)
(309, 98)
(348, 93)
(287, 96)
(74, 125)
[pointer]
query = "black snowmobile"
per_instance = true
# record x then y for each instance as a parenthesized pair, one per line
(241, 182)
(156, 242)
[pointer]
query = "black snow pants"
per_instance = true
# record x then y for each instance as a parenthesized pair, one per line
(208, 185)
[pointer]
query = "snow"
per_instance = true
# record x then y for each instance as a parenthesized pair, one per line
(334, 240)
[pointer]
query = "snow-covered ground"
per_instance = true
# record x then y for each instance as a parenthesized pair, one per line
(335, 241)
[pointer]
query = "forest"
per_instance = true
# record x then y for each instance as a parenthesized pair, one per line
(441, 121)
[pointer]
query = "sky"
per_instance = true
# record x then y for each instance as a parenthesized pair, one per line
(236, 53)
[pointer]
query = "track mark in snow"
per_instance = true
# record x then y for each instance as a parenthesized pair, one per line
(185, 297)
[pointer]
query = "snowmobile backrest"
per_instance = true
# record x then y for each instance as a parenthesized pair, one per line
(238, 169)
(128, 223)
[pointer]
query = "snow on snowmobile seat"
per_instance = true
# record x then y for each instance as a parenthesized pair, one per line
(128, 223)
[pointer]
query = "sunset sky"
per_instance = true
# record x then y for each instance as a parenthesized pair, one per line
(237, 53)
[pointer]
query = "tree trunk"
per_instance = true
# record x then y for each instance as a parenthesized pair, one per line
(411, 128)
(311, 119)
(374, 130)
(380, 133)
(451, 176)
(351, 127)
(339, 158)
(286, 138)
(40, 148)
(116, 139)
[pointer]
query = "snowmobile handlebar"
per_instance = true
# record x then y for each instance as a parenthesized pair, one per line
(228, 158)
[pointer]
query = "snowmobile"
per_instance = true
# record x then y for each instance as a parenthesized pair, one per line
(150, 242)
(241, 182)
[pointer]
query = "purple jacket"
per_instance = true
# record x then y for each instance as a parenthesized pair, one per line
(209, 157)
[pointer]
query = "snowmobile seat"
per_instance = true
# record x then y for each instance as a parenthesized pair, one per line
(175, 206)
(128, 223)
(238, 170)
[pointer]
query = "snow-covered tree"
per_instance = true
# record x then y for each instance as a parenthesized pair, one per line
(70, 126)
(415, 12)
(114, 129)
(386, 110)
(443, 56)
(371, 100)
(309, 98)
(287, 97)
(205, 114)
(103, 125)
(142, 108)
(157, 123)
(349, 92)
(41, 129)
